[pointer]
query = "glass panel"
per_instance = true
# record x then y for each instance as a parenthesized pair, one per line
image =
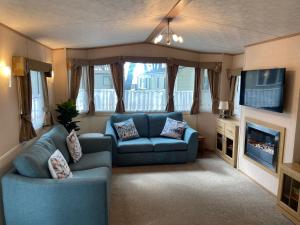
(229, 147)
(219, 141)
(206, 103)
(37, 113)
(104, 93)
(184, 88)
(290, 192)
(144, 86)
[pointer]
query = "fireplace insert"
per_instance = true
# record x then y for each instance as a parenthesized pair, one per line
(262, 145)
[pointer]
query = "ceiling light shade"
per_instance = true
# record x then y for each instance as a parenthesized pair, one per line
(167, 36)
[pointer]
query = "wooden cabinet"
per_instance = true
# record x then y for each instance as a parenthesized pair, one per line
(227, 140)
(288, 191)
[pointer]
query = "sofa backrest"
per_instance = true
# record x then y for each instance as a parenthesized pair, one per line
(140, 121)
(157, 122)
(58, 135)
(33, 161)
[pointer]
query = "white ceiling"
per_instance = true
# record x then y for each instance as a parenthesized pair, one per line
(206, 25)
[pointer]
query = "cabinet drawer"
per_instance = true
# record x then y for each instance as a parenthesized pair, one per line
(220, 126)
(230, 130)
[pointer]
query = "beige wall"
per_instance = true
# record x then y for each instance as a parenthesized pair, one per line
(13, 44)
(204, 122)
(279, 53)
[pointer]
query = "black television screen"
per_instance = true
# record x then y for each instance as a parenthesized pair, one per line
(263, 89)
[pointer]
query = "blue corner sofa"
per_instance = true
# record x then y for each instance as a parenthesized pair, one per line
(151, 148)
(32, 197)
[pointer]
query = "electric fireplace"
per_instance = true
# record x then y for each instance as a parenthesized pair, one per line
(262, 144)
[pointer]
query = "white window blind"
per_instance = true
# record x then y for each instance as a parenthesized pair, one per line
(144, 87)
(237, 107)
(104, 93)
(184, 88)
(37, 112)
(206, 103)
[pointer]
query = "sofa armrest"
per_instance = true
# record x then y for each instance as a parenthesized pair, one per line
(95, 142)
(190, 137)
(49, 201)
(111, 132)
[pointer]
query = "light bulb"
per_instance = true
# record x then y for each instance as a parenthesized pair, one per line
(175, 37)
(180, 39)
(159, 38)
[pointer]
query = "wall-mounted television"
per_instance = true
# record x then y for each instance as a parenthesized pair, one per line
(263, 89)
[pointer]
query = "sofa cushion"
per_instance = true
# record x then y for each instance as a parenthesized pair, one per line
(58, 135)
(140, 121)
(157, 122)
(74, 146)
(58, 166)
(33, 162)
(93, 173)
(168, 144)
(173, 129)
(92, 160)
(136, 145)
(126, 130)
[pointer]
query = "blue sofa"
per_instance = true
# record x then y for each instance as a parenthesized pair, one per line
(32, 197)
(151, 148)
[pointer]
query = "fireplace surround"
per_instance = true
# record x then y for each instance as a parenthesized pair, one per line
(264, 144)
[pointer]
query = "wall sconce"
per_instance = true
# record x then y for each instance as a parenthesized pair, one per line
(6, 71)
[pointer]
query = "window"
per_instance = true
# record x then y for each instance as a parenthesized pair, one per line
(37, 112)
(206, 104)
(237, 107)
(144, 86)
(82, 101)
(104, 93)
(184, 88)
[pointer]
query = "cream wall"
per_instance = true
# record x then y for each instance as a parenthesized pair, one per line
(13, 44)
(279, 53)
(204, 122)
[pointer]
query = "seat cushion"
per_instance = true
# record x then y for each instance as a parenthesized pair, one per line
(58, 135)
(92, 160)
(136, 145)
(93, 173)
(140, 121)
(157, 122)
(168, 144)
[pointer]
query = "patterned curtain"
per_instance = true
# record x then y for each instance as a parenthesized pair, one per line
(196, 98)
(27, 131)
(75, 82)
(117, 77)
(172, 70)
(48, 118)
(91, 86)
(213, 78)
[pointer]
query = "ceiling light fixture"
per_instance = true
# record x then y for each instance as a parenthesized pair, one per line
(167, 36)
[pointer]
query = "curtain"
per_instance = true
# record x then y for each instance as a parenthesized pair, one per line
(91, 86)
(196, 97)
(172, 72)
(232, 82)
(213, 78)
(27, 131)
(117, 77)
(75, 82)
(48, 119)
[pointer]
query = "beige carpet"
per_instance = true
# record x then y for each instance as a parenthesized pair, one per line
(208, 192)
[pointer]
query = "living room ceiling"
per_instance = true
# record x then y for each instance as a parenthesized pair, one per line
(206, 25)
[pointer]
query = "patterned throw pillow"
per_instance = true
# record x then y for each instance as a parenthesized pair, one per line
(173, 128)
(74, 146)
(58, 166)
(126, 130)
